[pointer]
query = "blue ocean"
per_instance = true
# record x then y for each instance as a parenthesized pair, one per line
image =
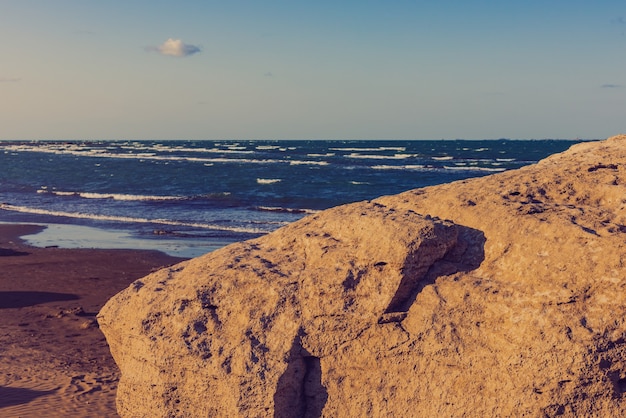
(190, 197)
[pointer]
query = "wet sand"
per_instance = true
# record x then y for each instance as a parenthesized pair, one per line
(55, 361)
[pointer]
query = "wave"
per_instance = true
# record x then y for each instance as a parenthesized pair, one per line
(109, 152)
(357, 149)
(446, 158)
(473, 168)
(431, 168)
(229, 150)
(392, 148)
(128, 219)
(82, 152)
(286, 210)
(300, 162)
(268, 181)
(163, 148)
(379, 157)
(399, 167)
(132, 197)
(112, 196)
(328, 154)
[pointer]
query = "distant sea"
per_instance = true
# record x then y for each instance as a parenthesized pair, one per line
(190, 197)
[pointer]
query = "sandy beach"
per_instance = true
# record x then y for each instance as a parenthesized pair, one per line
(55, 361)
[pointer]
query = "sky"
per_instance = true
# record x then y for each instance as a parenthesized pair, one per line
(367, 69)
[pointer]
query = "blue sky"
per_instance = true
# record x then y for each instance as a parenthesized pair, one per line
(86, 69)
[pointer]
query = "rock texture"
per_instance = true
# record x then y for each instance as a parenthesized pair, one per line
(497, 296)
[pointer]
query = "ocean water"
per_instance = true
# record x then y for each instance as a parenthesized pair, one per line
(190, 197)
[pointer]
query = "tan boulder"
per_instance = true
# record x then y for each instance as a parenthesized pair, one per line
(497, 296)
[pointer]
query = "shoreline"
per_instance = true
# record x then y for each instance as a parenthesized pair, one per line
(55, 358)
(73, 236)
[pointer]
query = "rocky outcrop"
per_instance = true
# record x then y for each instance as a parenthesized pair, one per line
(497, 296)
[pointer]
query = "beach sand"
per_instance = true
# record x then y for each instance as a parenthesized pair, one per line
(55, 361)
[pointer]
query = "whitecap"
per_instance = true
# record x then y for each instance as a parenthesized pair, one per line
(399, 167)
(127, 219)
(474, 168)
(378, 157)
(112, 196)
(286, 210)
(298, 162)
(268, 181)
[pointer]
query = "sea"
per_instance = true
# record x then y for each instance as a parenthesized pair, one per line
(187, 198)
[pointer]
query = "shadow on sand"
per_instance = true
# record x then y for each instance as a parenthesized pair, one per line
(19, 396)
(21, 299)
(6, 252)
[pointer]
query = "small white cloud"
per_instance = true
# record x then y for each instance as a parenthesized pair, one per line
(177, 48)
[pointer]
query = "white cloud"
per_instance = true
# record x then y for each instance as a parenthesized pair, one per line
(177, 48)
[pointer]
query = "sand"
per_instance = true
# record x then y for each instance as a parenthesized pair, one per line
(55, 361)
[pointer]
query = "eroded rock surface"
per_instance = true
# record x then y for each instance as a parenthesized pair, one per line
(497, 296)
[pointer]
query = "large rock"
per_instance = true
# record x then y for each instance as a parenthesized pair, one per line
(497, 296)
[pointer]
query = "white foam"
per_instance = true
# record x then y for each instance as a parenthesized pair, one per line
(268, 181)
(298, 162)
(399, 167)
(357, 149)
(127, 219)
(379, 157)
(288, 210)
(113, 196)
(392, 149)
(85, 152)
(474, 168)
